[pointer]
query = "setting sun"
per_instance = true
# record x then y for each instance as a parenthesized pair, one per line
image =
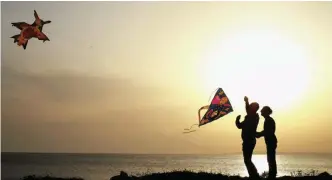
(261, 64)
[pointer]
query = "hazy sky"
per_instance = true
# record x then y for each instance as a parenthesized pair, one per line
(128, 77)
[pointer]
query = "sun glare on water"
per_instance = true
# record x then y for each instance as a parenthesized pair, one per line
(260, 162)
(262, 65)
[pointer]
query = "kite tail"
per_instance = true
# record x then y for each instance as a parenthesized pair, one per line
(188, 130)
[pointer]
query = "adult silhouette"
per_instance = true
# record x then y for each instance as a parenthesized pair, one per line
(248, 135)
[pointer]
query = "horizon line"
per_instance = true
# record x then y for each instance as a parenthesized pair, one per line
(132, 153)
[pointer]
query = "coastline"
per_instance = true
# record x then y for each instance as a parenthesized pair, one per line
(104, 166)
(160, 154)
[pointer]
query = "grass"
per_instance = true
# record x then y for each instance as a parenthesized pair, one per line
(33, 177)
(187, 174)
(300, 173)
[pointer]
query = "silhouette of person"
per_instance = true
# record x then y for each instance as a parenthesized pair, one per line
(270, 140)
(248, 134)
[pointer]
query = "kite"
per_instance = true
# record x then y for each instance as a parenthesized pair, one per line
(219, 107)
(30, 31)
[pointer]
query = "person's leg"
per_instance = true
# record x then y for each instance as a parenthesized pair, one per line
(271, 159)
(248, 149)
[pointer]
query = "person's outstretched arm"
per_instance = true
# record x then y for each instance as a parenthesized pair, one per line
(238, 123)
(258, 134)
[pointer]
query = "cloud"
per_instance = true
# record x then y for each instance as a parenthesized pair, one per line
(58, 95)
(61, 111)
(64, 87)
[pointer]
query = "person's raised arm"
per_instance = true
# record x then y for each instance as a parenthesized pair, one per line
(246, 103)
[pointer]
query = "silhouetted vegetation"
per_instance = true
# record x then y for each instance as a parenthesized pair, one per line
(33, 177)
(186, 174)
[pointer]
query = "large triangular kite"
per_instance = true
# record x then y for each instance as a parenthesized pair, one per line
(219, 107)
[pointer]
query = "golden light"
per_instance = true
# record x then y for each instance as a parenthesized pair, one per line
(260, 162)
(262, 65)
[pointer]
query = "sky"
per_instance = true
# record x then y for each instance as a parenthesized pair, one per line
(128, 77)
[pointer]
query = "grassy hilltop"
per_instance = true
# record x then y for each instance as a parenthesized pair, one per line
(179, 175)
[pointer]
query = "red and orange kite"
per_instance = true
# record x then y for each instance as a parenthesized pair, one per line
(29, 31)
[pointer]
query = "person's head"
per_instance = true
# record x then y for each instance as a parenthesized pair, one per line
(254, 107)
(266, 111)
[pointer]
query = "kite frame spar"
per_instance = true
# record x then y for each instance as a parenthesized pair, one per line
(219, 107)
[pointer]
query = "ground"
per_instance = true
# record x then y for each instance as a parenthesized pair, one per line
(179, 175)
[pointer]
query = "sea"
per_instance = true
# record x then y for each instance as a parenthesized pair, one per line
(15, 166)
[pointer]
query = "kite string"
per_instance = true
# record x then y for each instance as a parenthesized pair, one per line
(188, 130)
(191, 127)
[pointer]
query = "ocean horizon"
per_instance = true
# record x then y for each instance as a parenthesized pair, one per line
(102, 166)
